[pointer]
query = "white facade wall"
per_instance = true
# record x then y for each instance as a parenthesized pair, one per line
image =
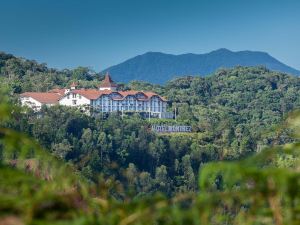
(72, 99)
(31, 102)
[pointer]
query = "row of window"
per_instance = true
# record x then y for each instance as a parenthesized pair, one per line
(126, 103)
(107, 100)
(128, 108)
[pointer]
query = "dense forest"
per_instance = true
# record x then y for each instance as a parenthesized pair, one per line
(234, 113)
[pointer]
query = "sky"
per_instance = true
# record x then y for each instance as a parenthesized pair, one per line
(102, 33)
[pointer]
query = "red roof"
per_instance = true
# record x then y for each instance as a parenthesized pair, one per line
(107, 82)
(93, 94)
(59, 91)
(43, 97)
(148, 94)
(54, 95)
(126, 93)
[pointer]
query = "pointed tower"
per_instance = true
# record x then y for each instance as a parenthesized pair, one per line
(108, 84)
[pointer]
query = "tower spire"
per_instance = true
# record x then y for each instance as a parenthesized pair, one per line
(107, 83)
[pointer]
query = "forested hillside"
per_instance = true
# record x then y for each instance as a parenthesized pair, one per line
(234, 113)
(28, 75)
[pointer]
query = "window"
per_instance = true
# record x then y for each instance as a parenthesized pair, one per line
(68, 96)
(79, 96)
(74, 102)
(74, 95)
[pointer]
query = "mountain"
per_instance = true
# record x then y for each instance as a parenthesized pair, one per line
(159, 67)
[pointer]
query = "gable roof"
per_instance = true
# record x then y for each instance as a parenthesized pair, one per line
(148, 94)
(43, 97)
(93, 94)
(58, 91)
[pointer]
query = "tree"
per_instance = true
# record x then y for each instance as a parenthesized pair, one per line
(62, 149)
(103, 146)
(188, 173)
(81, 73)
(161, 179)
(145, 182)
(132, 176)
(87, 141)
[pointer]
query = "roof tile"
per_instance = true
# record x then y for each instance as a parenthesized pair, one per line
(43, 97)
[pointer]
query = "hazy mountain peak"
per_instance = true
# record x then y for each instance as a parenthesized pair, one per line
(158, 67)
(222, 50)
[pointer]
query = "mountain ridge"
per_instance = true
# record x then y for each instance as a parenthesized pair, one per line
(159, 67)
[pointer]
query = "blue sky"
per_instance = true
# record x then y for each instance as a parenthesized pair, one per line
(101, 33)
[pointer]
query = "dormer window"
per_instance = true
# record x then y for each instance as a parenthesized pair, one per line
(140, 96)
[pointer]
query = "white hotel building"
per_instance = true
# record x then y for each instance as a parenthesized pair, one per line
(104, 99)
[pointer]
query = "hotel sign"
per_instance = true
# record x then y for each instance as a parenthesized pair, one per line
(170, 129)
